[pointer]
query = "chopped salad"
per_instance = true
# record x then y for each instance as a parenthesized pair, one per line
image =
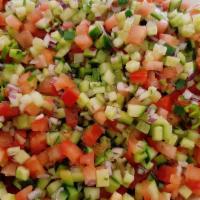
(99, 99)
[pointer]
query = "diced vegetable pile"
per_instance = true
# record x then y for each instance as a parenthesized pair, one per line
(99, 99)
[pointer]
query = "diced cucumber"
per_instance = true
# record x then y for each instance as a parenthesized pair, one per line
(128, 178)
(22, 121)
(157, 133)
(117, 176)
(172, 61)
(136, 110)
(77, 175)
(187, 143)
(22, 173)
(21, 156)
(53, 187)
(151, 28)
(196, 22)
(102, 176)
(143, 127)
(174, 4)
(66, 177)
(42, 183)
(73, 193)
(113, 185)
(127, 196)
(192, 135)
(132, 66)
(185, 192)
(63, 195)
(167, 127)
(8, 196)
(153, 190)
(53, 138)
(91, 193)
(125, 118)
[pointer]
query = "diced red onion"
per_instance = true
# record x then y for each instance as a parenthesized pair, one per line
(152, 118)
(53, 120)
(78, 128)
(35, 194)
(191, 77)
(123, 87)
(140, 91)
(108, 166)
(2, 118)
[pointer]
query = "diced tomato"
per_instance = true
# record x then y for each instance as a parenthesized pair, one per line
(92, 134)
(185, 4)
(75, 49)
(87, 159)
(7, 111)
(197, 155)
(2, 20)
(165, 102)
(89, 173)
(83, 41)
(164, 173)
(23, 194)
(153, 65)
(83, 28)
(168, 73)
(38, 142)
(44, 6)
(6, 140)
(139, 77)
(43, 158)
(110, 23)
(47, 87)
(63, 82)
(35, 16)
(169, 39)
(9, 169)
(164, 148)
(144, 9)
(69, 97)
(41, 125)
(192, 173)
(72, 116)
(100, 117)
(3, 157)
(32, 109)
(24, 38)
(35, 167)
(194, 186)
(13, 22)
(152, 80)
(55, 154)
(25, 85)
(137, 34)
(49, 55)
(71, 151)
(2, 4)
(67, 25)
(162, 26)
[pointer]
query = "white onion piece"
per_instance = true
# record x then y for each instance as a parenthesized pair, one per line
(39, 116)
(123, 87)
(187, 94)
(108, 166)
(140, 91)
(58, 193)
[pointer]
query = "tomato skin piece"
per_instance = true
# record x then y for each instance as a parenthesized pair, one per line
(69, 97)
(24, 38)
(166, 103)
(35, 167)
(23, 194)
(162, 26)
(139, 77)
(164, 173)
(38, 142)
(2, 21)
(71, 151)
(87, 159)
(72, 116)
(13, 22)
(197, 155)
(7, 111)
(9, 169)
(41, 125)
(32, 109)
(92, 134)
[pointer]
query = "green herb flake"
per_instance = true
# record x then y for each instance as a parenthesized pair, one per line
(180, 84)
(122, 2)
(128, 13)
(69, 35)
(179, 110)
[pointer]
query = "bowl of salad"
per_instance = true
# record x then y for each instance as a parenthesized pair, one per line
(99, 99)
